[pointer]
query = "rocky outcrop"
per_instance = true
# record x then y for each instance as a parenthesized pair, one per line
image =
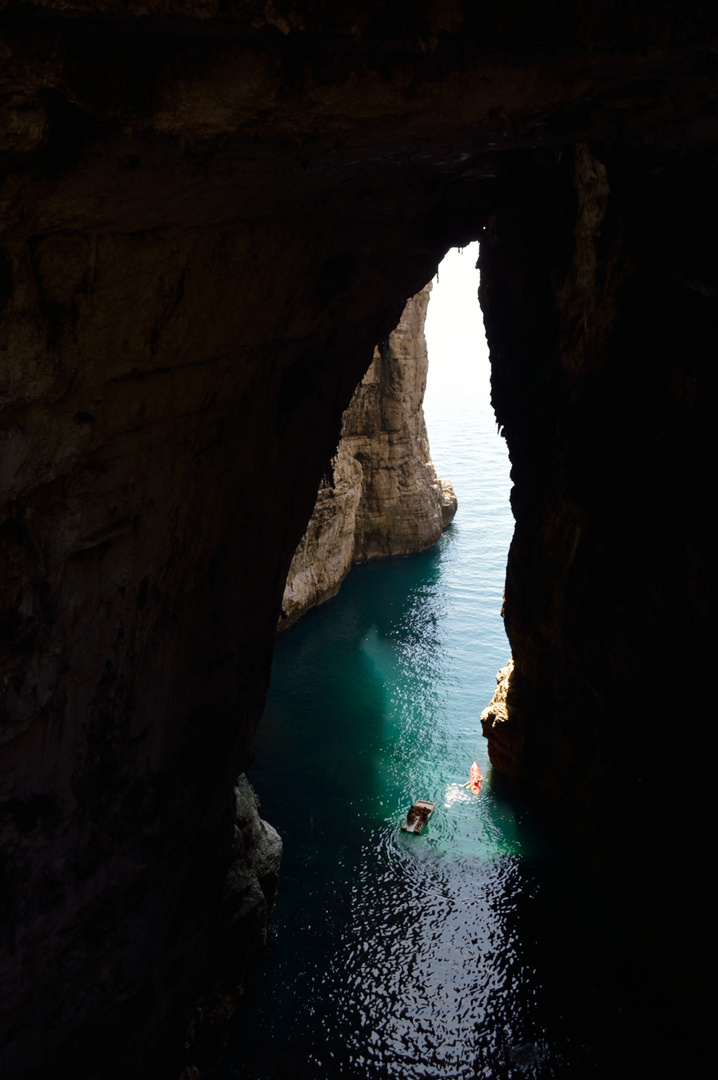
(403, 505)
(504, 749)
(248, 900)
(449, 503)
(383, 496)
(209, 215)
(325, 553)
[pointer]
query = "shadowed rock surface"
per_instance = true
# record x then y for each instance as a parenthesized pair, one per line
(210, 214)
(383, 496)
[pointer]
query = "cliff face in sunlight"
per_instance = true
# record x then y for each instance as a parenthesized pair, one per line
(209, 215)
(383, 496)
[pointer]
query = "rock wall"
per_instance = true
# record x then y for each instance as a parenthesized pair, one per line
(248, 900)
(601, 381)
(325, 553)
(383, 496)
(209, 215)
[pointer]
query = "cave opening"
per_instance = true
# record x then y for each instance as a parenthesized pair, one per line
(466, 952)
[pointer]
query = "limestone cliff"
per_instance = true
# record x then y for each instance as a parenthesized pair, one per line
(383, 496)
(326, 551)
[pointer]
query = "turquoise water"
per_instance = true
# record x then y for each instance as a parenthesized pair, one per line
(471, 950)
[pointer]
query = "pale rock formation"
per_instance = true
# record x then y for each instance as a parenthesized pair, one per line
(326, 551)
(502, 736)
(449, 503)
(383, 497)
(384, 428)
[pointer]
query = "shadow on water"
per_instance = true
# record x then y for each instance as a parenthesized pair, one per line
(472, 950)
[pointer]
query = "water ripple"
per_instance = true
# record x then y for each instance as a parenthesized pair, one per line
(460, 953)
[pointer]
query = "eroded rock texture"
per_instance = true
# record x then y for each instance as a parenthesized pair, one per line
(603, 380)
(248, 899)
(383, 496)
(209, 215)
(325, 553)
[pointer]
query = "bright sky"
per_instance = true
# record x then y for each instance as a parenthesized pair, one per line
(458, 355)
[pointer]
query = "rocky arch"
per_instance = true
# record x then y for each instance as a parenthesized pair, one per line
(210, 214)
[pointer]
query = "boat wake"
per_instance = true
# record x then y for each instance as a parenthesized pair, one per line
(456, 793)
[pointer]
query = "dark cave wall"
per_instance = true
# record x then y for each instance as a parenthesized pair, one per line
(599, 289)
(155, 498)
(208, 218)
(167, 348)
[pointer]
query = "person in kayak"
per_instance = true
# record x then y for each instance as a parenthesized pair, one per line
(475, 779)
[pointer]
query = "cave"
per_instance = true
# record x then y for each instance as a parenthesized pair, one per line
(211, 214)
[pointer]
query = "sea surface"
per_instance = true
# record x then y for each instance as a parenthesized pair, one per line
(475, 949)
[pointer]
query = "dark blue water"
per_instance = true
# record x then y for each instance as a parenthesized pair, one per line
(475, 949)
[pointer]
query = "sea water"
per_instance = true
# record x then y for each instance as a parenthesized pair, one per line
(473, 949)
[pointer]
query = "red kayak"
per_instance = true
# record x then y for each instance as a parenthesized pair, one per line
(475, 778)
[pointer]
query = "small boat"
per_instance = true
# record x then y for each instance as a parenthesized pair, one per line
(418, 816)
